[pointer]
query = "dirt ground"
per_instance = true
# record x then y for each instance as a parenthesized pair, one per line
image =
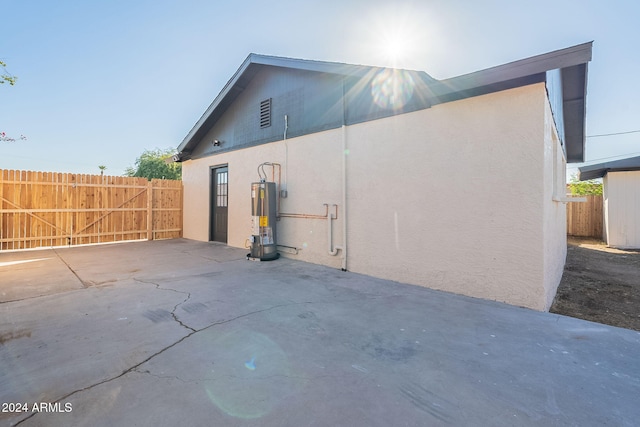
(600, 284)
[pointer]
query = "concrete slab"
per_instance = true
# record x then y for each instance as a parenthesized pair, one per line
(28, 274)
(187, 333)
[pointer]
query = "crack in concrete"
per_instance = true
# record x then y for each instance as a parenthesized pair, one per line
(84, 285)
(134, 367)
(164, 377)
(173, 314)
(123, 373)
(175, 307)
(35, 296)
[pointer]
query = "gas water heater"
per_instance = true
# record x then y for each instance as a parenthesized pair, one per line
(263, 221)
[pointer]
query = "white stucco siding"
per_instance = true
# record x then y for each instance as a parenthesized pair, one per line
(311, 176)
(622, 209)
(451, 198)
(605, 208)
(195, 181)
(555, 211)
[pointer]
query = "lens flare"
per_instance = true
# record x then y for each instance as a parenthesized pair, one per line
(252, 373)
(251, 364)
(392, 89)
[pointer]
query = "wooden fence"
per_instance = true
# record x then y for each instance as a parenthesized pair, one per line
(42, 209)
(585, 219)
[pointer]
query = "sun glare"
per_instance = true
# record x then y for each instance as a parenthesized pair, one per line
(397, 36)
(395, 47)
(395, 41)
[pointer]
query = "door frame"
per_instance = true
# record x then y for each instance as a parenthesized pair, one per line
(213, 199)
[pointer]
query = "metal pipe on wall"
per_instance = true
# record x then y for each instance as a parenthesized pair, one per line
(344, 197)
(333, 251)
(286, 154)
(344, 174)
(311, 216)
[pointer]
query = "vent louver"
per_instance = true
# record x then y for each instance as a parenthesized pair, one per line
(265, 113)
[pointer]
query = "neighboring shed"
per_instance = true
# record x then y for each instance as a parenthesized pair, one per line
(455, 184)
(621, 195)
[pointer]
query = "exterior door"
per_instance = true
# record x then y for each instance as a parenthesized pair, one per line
(219, 204)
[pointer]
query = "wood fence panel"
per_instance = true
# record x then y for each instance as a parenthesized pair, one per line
(43, 209)
(585, 219)
(167, 208)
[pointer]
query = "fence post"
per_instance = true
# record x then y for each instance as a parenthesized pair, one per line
(149, 210)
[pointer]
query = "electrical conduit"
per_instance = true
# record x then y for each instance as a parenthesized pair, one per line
(333, 251)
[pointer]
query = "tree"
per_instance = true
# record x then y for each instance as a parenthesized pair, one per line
(151, 164)
(102, 169)
(5, 138)
(6, 78)
(584, 188)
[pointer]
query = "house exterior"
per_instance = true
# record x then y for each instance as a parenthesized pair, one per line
(456, 184)
(621, 198)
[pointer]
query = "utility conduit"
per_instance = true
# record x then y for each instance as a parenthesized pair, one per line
(311, 216)
(344, 189)
(333, 251)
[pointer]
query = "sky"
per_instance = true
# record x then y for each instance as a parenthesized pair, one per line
(99, 82)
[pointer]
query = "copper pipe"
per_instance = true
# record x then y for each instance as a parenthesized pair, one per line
(312, 216)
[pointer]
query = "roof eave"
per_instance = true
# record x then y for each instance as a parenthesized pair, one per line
(573, 63)
(185, 146)
(599, 170)
(562, 58)
(574, 106)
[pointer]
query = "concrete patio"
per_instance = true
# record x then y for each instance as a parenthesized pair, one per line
(179, 332)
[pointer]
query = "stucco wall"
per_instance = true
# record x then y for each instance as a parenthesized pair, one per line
(452, 197)
(622, 209)
(555, 211)
(311, 174)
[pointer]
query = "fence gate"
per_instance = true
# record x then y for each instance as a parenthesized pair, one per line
(585, 219)
(43, 209)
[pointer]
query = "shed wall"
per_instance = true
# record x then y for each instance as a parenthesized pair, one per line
(622, 209)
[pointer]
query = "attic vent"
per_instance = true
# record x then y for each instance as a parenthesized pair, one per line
(265, 113)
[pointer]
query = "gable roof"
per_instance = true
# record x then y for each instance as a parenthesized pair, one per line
(250, 67)
(601, 169)
(572, 61)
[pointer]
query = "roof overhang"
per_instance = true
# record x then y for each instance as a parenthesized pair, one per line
(559, 59)
(574, 106)
(601, 169)
(572, 62)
